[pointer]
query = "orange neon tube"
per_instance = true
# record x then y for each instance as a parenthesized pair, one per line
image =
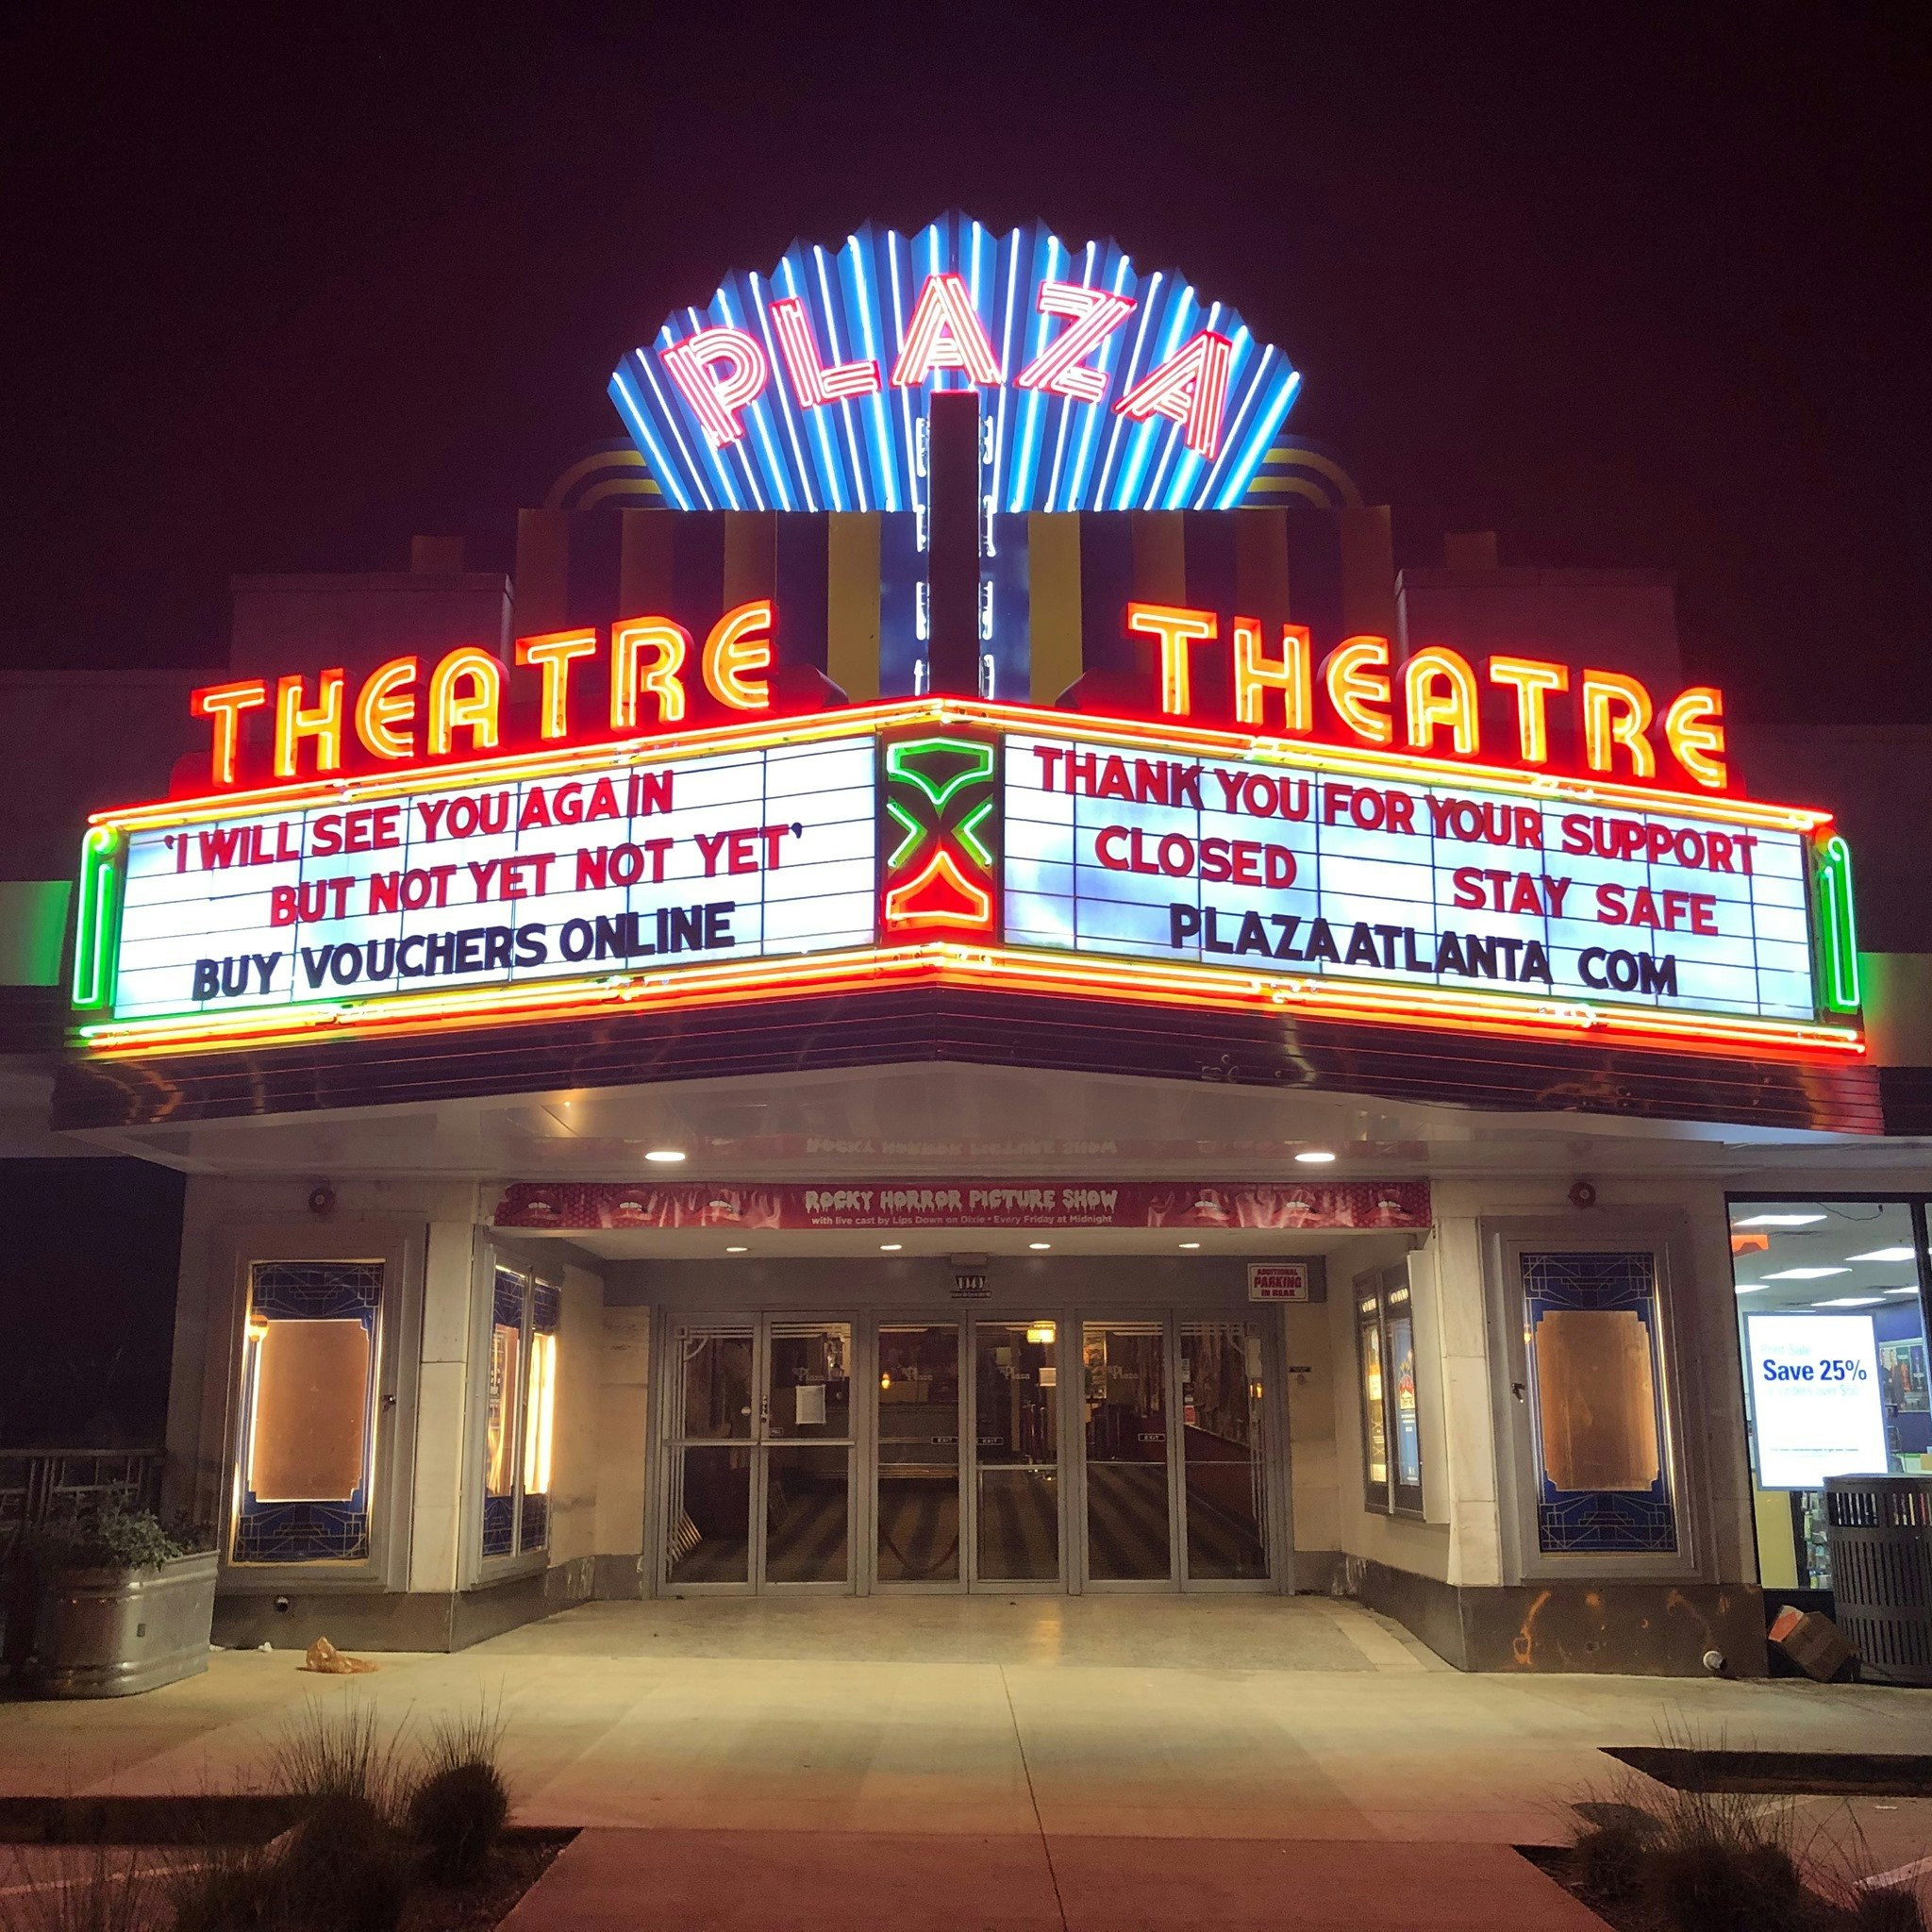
(1133, 982)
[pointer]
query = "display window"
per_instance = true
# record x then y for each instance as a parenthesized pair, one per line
(1386, 1370)
(1599, 1442)
(1831, 1330)
(306, 1466)
(519, 1414)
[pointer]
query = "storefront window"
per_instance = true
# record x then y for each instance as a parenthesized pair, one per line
(1391, 1425)
(1596, 1403)
(308, 1450)
(1832, 1336)
(540, 1417)
(520, 1414)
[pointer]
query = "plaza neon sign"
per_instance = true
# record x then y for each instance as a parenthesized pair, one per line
(1103, 386)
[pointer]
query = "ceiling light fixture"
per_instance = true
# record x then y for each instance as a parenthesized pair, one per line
(664, 1154)
(1804, 1274)
(1776, 1220)
(1749, 1287)
(1882, 1254)
(1316, 1156)
(1851, 1300)
(1901, 1290)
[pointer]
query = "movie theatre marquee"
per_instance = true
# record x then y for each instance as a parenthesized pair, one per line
(949, 839)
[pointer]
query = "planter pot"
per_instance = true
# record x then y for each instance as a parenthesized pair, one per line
(109, 1633)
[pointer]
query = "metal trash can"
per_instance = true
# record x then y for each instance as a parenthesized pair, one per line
(1879, 1528)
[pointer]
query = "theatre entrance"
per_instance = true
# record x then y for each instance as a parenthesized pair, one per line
(1069, 1450)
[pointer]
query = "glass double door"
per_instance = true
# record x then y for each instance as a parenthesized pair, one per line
(1167, 1483)
(984, 1453)
(758, 1453)
(1176, 1471)
(968, 1465)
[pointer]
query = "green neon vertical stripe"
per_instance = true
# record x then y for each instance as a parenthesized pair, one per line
(1837, 928)
(97, 919)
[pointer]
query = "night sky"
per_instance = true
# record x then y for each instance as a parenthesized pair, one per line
(1630, 288)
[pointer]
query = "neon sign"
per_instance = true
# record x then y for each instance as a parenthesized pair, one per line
(1104, 386)
(649, 672)
(959, 841)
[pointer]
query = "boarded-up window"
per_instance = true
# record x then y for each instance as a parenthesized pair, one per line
(311, 1412)
(1596, 1400)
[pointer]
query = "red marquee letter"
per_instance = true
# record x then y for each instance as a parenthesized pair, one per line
(1061, 368)
(715, 401)
(946, 332)
(812, 383)
(1190, 388)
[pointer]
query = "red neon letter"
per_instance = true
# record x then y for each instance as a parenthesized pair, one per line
(715, 401)
(1190, 388)
(225, 704)
(1439, 687)
(1061, 368)
(740, 640)
(1694, 728)
(1532, 677)
(382, 705)
(556, 651)
(812, 383)
(1255, 677)
(1177, 629)
(1357, 674)
(324, 724)
(628, 642)
(1616, 711)
(478, 710)
(946, 332)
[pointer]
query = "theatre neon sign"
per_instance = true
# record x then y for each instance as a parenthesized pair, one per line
(648, 674)
(1158, 862)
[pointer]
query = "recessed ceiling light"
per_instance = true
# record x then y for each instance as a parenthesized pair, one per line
(1804, 1274)
(1901, 1290)
(1851, 1300)
(1883, 1254)
(1749, 1287)
(890, 1248)
(666, 1153)
(1190, 1244)
(1776, 1220)
(1315, 1156)
(737, 1251)
(1039, 1247)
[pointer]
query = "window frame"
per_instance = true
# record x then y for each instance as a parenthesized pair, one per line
(1667, 1239)
(1385, 1288)
(399, 1250)
(536, 1271)
(1917, 1204)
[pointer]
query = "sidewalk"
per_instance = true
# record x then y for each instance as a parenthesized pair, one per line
(812, 1760)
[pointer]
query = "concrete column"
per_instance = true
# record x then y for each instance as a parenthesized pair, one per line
(623, 1406)
(574, 1448)
(442, 1406)
(1314, 1491)
(1475, 1549)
